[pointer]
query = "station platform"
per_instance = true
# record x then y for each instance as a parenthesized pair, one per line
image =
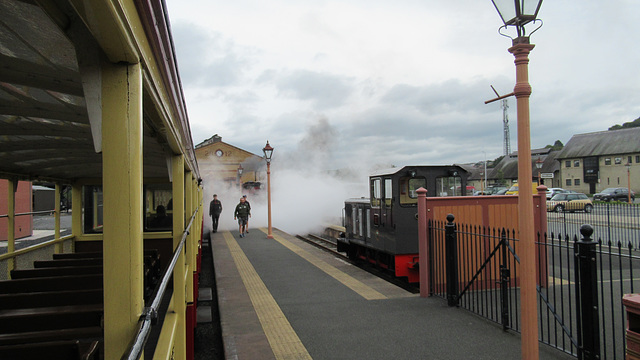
(282, 298)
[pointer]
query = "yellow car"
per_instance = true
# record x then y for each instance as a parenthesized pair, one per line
(570, 202)
(513, 190)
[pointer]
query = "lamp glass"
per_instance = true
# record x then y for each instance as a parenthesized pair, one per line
(517, 12)
(268, 151)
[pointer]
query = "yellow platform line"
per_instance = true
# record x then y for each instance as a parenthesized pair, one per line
(356, 285)
(284, 341)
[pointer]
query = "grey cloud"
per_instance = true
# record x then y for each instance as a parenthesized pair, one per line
(206, 59)
(324, 90)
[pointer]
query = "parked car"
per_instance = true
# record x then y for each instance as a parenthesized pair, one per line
(570, 202)
(513, 190)
(619, 194)
(553, 191)
(501, 192)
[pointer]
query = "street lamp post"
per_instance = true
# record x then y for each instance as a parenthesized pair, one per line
(240, 170)
(518, 13)
(628, 165)
(268, 152)
(539, 163)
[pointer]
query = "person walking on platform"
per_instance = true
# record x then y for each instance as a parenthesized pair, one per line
(215, 208)
(247, 201)
(242, 213)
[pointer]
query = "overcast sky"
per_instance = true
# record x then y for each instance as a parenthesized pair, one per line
(398, 82)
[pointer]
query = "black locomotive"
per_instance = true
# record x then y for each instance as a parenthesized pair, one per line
(383, 229)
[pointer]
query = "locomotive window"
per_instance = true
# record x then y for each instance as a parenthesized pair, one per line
(360, 222)
(375, 192)
(388, 191)
(449, 186)
(368, 223)
(408, 187)
(354, 218)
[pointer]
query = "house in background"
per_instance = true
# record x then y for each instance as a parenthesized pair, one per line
(506, 171)
(592, 162)
(224, 166)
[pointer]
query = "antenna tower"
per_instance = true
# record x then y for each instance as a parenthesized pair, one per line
(505, 123)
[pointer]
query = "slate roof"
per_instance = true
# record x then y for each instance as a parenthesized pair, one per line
(509, 164)
(623, 141)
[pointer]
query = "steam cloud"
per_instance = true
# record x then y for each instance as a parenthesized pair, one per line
(306, 192)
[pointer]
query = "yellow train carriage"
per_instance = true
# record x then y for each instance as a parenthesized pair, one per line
(90, 97)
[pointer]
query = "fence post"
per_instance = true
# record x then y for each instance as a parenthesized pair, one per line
(423, 246)
(587, 296)
(451, 253)
(505, 274)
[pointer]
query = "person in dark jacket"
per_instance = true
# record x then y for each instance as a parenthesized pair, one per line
(242, 213)
(215, 208)
(249, 204)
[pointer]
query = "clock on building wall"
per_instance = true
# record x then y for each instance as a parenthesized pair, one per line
(219, 153)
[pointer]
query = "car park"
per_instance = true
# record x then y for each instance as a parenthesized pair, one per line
(614, 194)
(553, 191)
(570, 202)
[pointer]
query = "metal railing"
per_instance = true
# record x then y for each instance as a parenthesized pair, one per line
(150, 313)
(580, 284)
(611, 222)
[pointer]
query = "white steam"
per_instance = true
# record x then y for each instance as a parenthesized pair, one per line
(307, 193)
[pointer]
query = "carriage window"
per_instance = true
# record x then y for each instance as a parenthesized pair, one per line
(354, 218)
(375, 192)
(448, 186)
(388, 194)
(158, 207)
(92, 214)
(368, 223)
(408, 187)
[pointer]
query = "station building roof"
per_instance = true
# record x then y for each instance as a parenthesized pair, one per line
(51, 94)
(614, 142)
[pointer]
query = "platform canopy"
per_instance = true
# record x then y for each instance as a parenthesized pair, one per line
(50, 86)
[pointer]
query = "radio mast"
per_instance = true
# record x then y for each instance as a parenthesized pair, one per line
(505, 125)
(505, 119)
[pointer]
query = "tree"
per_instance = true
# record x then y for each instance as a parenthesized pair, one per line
(558, 145)
(627, 125)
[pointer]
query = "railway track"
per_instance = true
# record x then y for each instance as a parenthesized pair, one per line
(330, 246)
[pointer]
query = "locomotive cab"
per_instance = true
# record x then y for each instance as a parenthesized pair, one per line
(384, 229)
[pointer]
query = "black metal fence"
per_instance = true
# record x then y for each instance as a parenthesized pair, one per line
(611, 222)
(580, 283)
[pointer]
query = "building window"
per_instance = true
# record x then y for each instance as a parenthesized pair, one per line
(568, 182)
(607, 161)
(576, 182)
(629, 159)
(567, 163)
(576, 163)
(637, 159)
(618, 161)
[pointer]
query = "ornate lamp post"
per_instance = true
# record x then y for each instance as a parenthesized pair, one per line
(539, 163)
(628, 165)
(268, 151)
(240, 169)
(518, 13)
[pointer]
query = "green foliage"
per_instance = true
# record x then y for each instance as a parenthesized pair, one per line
(627, 125)
(558, 145)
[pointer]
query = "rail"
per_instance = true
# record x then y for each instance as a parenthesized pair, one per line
(150, 313)
(29, 213)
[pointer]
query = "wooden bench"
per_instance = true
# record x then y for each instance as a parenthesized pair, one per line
(67, 262)
(53, 283)
(68, 349)
(50, 318)
(51, 298)
(55, 271)
(86, 333)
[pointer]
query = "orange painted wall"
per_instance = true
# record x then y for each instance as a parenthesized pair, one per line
(24, 224)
